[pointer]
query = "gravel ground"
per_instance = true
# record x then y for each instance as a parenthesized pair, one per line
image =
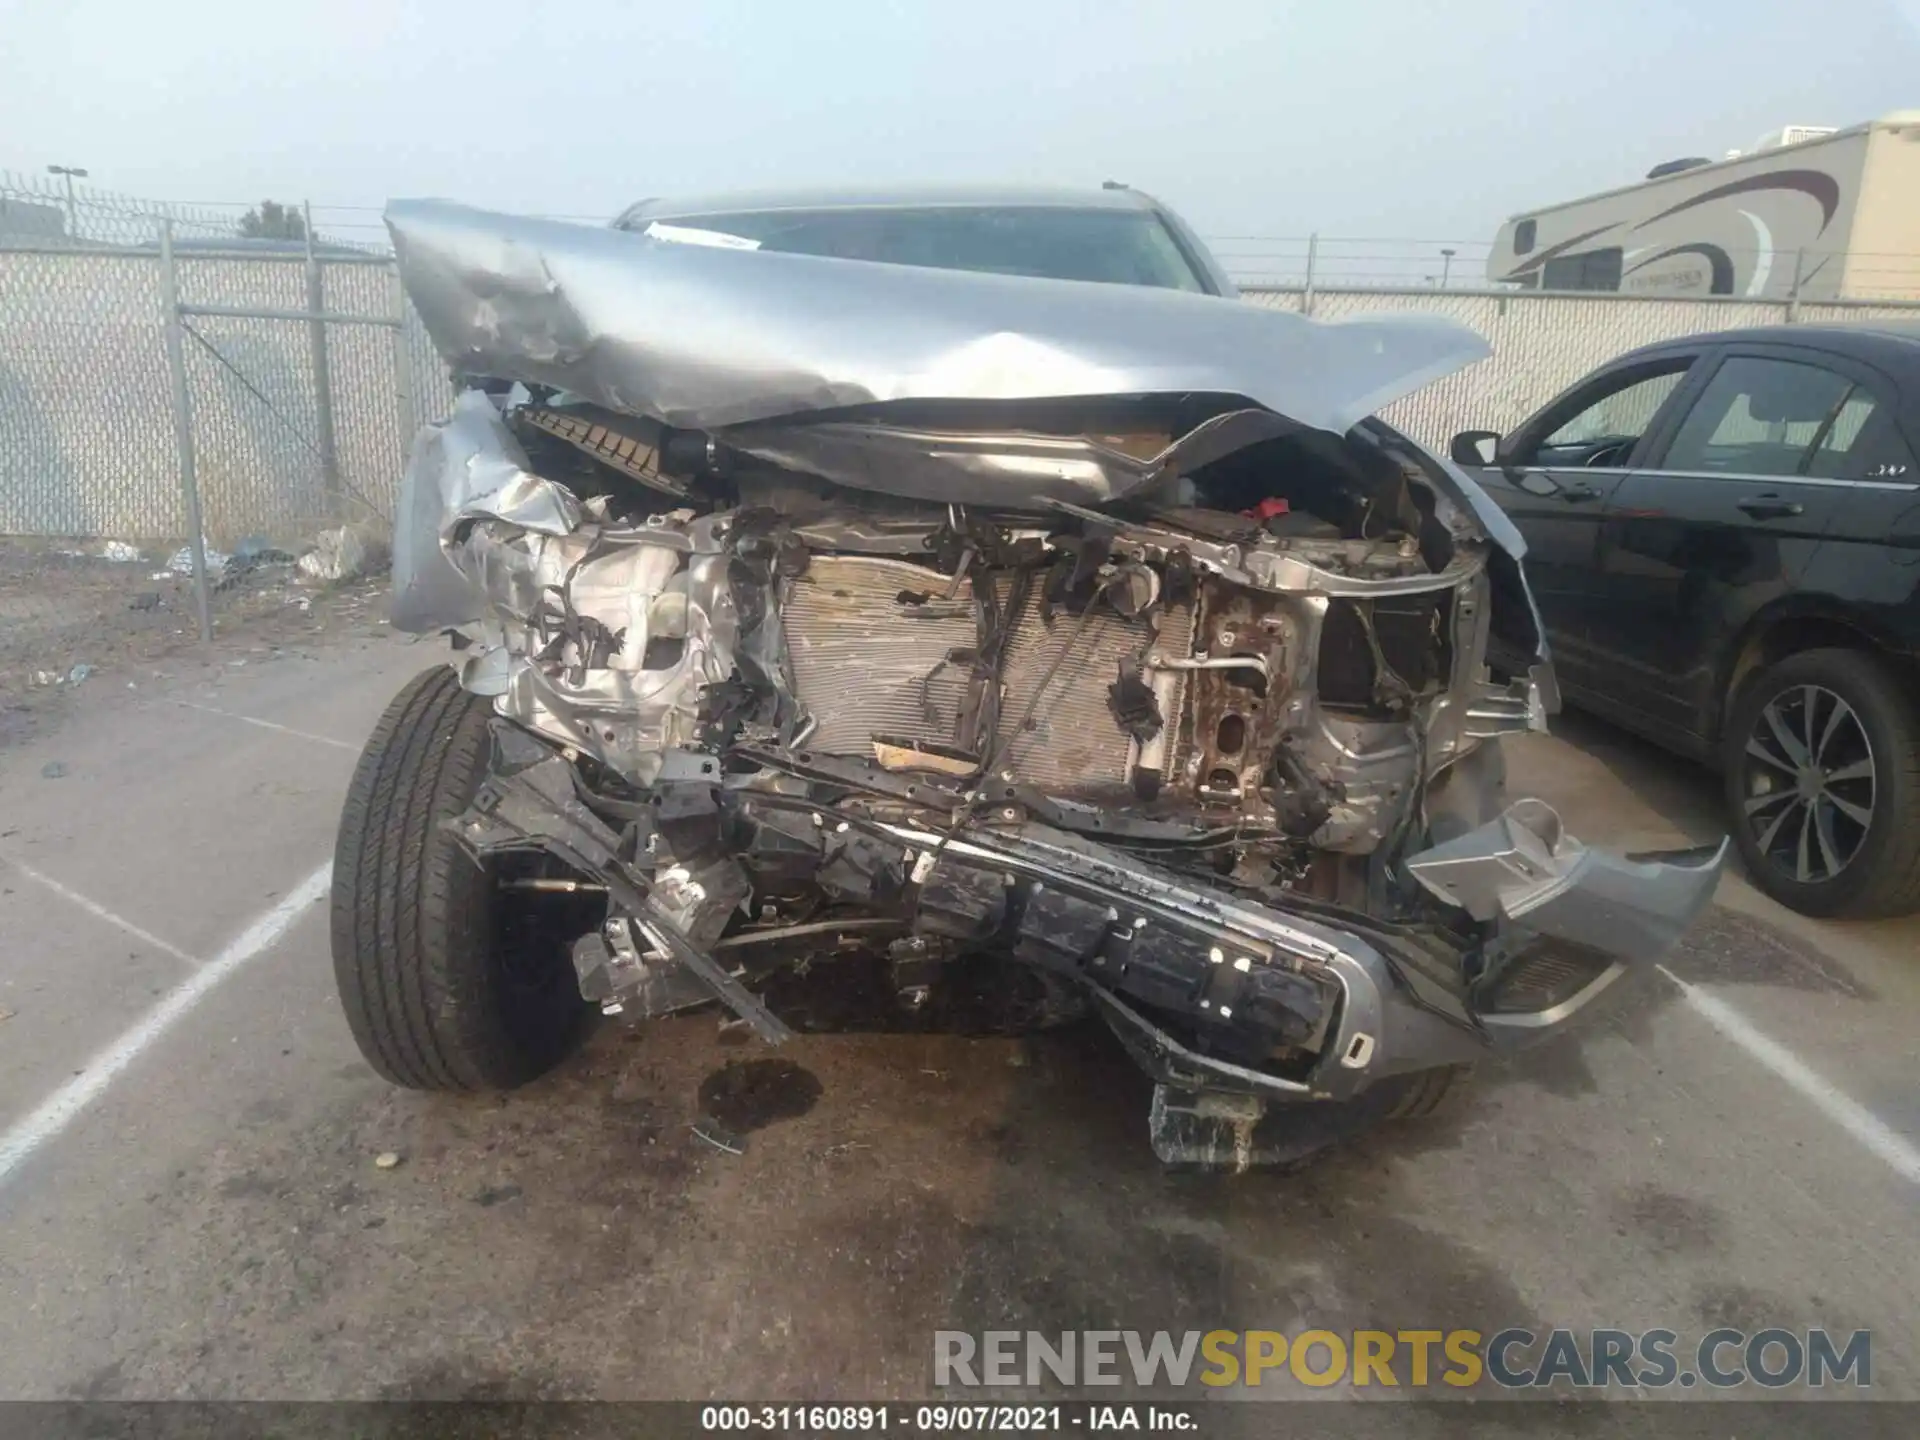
(128, 622)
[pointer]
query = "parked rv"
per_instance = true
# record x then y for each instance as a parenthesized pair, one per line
(1826, 214)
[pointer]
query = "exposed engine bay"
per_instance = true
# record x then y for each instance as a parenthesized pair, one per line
(1206, 745)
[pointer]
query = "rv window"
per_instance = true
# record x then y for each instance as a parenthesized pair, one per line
(1763, 417)
(1589, 270)
(1523, 236)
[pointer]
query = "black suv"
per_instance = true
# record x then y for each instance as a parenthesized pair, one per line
(1723, 537)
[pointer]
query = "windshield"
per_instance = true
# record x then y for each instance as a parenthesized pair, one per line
(1120, 247)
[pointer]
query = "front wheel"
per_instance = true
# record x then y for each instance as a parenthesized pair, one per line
(1821, 761)
(450, 979)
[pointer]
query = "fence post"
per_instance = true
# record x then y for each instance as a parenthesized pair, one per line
(1793, 295)
(402, 367)
(1306, 293)
(322, 374)
(183, 426)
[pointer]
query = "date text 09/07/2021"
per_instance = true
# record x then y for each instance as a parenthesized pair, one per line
(941, 1419)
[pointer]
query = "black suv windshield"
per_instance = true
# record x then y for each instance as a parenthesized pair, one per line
(1120, 247)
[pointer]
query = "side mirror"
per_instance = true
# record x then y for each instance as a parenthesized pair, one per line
(1474, 447)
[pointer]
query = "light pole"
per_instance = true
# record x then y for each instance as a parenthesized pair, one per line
(1446, 266)
(71, 173)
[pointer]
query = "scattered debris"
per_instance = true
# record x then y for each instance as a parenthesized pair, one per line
(343, 554)
(79, 673)
(258, 550)
(719, 1138)
(254, 553)
(52, 770)
(120, 552)
(44, 678)
(386, 1160)
(6, 1014)
(145, 600)
(181, 562)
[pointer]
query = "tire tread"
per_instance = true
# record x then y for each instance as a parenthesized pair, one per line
(410, 921)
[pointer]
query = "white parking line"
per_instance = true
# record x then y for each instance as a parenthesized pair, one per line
(1863, 1125)
(269, 725)
(60, 1109)
(98, 911)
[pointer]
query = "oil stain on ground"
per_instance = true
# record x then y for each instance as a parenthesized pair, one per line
(1727, 948)
(746, 1095)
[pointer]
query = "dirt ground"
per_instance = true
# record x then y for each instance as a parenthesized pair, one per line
(62, 606)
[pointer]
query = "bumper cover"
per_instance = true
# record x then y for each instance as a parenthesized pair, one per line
(1569, 919)
(1559, 923)
(1210, 992)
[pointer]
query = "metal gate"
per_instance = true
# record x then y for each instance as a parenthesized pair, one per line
(260, 338)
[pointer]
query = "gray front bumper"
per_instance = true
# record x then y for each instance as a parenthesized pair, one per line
(1569, 919)
(1558, 921)
(1293, 1000)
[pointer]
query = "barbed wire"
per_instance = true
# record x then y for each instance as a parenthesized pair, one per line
(47, 210)
(42, 209)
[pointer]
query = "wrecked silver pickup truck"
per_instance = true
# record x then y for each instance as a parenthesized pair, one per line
(970, 636)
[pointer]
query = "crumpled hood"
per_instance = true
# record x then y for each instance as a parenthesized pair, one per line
(707, 338)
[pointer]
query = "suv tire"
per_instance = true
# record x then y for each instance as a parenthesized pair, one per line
(448, 983)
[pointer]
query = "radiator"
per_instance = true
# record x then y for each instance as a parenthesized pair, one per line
(866, 665)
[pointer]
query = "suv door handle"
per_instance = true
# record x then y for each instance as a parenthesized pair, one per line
(1578, 494)
(1769, 507)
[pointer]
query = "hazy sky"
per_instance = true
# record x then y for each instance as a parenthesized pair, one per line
(1253, 117)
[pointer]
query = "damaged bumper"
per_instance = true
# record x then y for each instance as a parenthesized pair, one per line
(1568, 920)
(1209, 993)
(1557, 923)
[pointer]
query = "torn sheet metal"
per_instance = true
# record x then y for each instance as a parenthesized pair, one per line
(631, 624)
(467, 467)
(707, 338)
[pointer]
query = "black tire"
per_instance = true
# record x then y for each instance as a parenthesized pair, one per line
(1880, 872)
(1428, 1092)
(447, 983)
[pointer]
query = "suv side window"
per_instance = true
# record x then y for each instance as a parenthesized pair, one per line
(1603, 427)
(1771, 417)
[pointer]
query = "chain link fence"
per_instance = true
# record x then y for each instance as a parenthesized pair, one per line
(87, 411)
(87, 439)
(1542, 343)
